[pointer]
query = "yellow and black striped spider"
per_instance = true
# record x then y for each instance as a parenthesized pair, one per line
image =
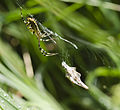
(33, 27)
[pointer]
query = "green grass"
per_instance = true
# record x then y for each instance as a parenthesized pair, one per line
(92, 25)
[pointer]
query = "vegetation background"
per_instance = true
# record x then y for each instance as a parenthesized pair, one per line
(30, 81)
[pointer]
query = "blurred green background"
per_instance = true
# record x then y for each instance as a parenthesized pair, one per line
(30, 81)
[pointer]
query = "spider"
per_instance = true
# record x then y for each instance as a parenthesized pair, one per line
(33, 27)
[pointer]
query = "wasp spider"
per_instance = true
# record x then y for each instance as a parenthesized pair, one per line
(33, 27)
(42, 33)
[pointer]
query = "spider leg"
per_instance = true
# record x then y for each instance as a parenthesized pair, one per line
(51, 54)
(46, 40)
(47, 35)
(22, 15)
(44, 52)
